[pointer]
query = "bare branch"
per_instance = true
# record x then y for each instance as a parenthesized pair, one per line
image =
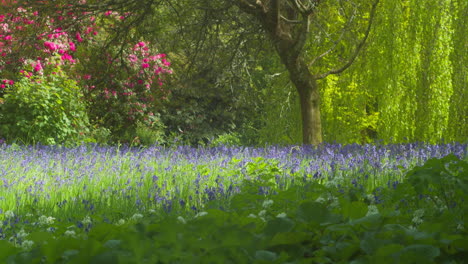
(358, 48)
(250, 6)
(336, 42)
(301, 38)
(291, 21)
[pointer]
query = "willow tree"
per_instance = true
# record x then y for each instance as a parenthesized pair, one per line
(287, 24)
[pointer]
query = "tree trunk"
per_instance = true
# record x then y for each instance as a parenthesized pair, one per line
(309, 96)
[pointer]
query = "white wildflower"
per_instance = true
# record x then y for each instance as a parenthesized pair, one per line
(417, 220)
(335, 203)
(460, 227)
(120, 222)
(252, 216)
(27, 245)
(29, 215)
(44, 220)
(371, 198)
(137, 217)
(200, 214)
(21, 234)
(181, 220)
(9, 214)
(443, 208)
(418, 213)
(87, 220)
(262, 213)
(70, 233)
(267, 203)
(320, 200)
(152, 211)
(372, 209)
(282, 215)
(417, 216)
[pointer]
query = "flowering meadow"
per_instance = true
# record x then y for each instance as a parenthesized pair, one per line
(327, 204)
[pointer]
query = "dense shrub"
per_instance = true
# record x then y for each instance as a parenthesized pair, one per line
(45, 109)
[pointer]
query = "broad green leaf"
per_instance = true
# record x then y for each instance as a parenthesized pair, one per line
(265, 255)
(419, 253)
(313, 212)
(7, 249)
(278, 225)
(353, 210)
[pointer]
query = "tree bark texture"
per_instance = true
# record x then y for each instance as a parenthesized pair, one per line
(287, 24)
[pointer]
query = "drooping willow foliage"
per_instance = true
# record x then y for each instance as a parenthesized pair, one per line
(410, 84)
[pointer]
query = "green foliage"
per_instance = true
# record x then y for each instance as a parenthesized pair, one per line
(289, 225)
(150, 135)
(407, 85)
(47, 110)
(231, 139)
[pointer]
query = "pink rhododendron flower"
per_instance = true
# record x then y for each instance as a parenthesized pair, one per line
(72, 46)
(67, 57)
(38, 66)
(50, 46)
(145, 65)
(78, 37)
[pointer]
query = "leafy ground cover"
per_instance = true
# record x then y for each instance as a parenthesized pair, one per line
(328, 204)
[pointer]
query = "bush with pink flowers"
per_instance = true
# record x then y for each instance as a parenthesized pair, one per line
(121, 85)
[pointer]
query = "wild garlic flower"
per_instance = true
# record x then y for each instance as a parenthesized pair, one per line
(320, 200)
(9, 214)
(87, 220)
(70, 233)
(201, 214)
(181, 220)
(417, 216)
(252, 216)
(267, 203)
(21, 234)
(152, 211)
(281, 215)
(137, 217)
(27, 245)
(418, 213)
(372, 209)
(120, 222)
(262, 213)
(44, 220)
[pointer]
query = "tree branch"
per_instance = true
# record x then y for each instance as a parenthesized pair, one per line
(336, 42)
(358, 48)
(250, 7)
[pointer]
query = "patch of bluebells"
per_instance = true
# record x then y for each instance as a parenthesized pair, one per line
(340, 164)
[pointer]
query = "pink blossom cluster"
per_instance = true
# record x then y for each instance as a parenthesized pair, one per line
(56, 47)
(4, 83)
